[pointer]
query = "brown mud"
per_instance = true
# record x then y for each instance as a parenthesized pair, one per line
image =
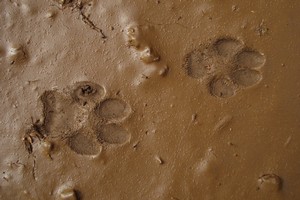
(150, 99)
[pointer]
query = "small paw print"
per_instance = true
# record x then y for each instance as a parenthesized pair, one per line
(85, 118)
(226, 66)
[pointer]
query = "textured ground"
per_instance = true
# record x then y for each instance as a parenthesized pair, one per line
(149, 99)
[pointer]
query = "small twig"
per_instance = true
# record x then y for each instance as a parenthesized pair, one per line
(78, 5)
(86, 19)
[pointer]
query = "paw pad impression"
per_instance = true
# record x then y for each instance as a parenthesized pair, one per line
(226, 65)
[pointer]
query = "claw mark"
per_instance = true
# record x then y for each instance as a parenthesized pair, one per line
(33, 168)
(34, 132)
(27, 141)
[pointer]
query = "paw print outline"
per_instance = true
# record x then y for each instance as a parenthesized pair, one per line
(85, 117)
(226, 65)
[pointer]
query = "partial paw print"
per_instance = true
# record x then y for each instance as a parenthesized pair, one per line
(83, 117)
(226, 66)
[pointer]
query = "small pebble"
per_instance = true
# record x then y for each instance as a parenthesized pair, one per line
(164, 71)
(50, 14)
(159, 160)
(67, 194)
(148, 55)
(194, 117)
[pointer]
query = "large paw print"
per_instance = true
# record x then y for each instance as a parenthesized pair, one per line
(85, 118)
(226, 65)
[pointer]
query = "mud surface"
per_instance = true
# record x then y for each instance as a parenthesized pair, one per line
(150, 99)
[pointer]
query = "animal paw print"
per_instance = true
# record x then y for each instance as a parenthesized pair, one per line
(226, 65)
(111, 113)
(84, 118)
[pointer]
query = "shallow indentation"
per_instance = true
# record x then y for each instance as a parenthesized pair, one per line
(61, 115)
(133, 36)
(227, 46)
(197, 64)
(250, 59)
(85, 92)
(83, 144)
(270, 182)
(49, 101)
(225, 57)
(2, 52)
(113, 109)
(246, 77)
(112, 134)
(222, 87)
(223, 122)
